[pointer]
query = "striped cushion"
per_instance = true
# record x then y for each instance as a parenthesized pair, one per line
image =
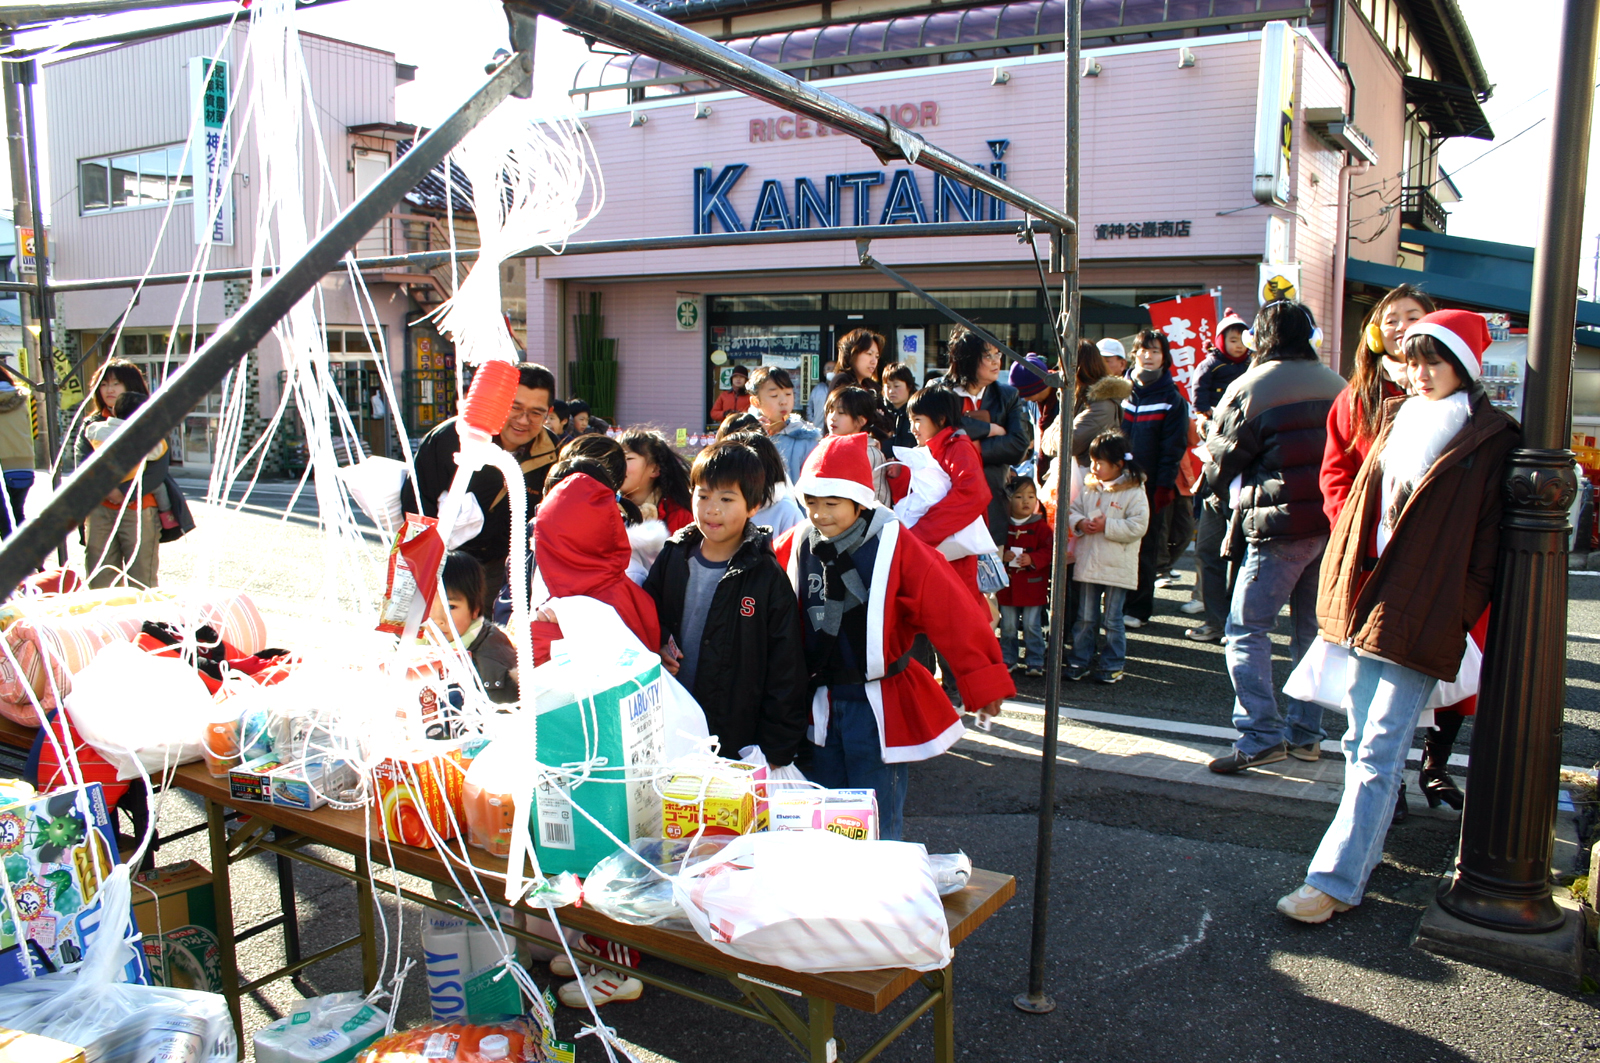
(68, 630)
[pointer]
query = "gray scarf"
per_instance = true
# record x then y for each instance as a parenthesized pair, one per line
(842, 586)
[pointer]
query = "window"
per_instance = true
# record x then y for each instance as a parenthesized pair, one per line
(138, 179)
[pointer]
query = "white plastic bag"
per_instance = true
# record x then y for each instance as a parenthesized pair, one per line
(788, 774)
(375, 484)
(1324, 676)
(135, 707)
(469, 519)
(969, 541)
(113, 1021)
(812, 901)
(929, 484)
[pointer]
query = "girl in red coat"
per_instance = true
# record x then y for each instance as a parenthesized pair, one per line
(1027, 556)
(936, 422)
(1353, 424)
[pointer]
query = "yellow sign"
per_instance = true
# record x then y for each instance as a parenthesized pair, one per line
(69, 386)
(683, 437)
(1277, 287)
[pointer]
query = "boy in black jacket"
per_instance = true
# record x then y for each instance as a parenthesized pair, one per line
(730, 625)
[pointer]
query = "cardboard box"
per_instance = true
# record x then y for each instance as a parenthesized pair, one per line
(733, 802)
(17, 1047)
(423, 783)
(56, 848)
(176, 911)
(307, 786)
(851, 813)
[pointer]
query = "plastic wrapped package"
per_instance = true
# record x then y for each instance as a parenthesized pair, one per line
(950, 871)
(466, 978)
(321, 1029)
(115, 1021)
(812, 901)
(137, 708)
(622, 888)
(517, 1041)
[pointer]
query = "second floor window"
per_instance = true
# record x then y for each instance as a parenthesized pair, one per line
(138, 179)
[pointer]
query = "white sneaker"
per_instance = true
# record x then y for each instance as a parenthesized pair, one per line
(1133, 623)
(604, 987)
(1310, 905)
(1192, 608)
(561, 967)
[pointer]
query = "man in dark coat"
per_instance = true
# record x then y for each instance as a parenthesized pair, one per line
(531, 445)
(993, 417)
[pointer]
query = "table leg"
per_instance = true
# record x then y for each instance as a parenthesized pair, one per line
(222, 896)
(944, 1016)
(366, 921)
(821, 1046)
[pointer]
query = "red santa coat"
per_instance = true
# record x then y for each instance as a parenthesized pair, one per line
(914, 591)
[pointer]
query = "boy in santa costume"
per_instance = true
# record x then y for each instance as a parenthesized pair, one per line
(866, 591)
(1407, 573)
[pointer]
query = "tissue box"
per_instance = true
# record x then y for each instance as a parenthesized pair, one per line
(56, 851)
(734, 802)
(851, 813)
(306, 786)
(176, 911)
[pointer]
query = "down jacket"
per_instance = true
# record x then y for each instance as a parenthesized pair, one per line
(1270, 431)
(1155, 419)
(1110, 559)
(1003, 407)
(1417, 602)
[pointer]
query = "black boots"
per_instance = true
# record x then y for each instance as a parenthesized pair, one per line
(1434, 778)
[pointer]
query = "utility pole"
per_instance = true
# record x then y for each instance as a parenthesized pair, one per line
(1497, 909)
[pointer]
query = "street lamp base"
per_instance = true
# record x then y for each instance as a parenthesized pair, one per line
(1553, 958)
(1034, 1005)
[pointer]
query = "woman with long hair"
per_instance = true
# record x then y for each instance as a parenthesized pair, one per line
(860, 351)
(991, 415)
(123, 531)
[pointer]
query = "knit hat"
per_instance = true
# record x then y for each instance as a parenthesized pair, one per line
(1230, 319)
(1463, 332)
(1112, 348)
(1027, 382)
(839, 468)
(739, 370)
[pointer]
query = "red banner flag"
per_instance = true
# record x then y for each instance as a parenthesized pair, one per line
(1189, 325)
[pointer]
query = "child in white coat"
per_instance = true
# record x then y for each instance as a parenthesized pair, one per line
(1109, 517)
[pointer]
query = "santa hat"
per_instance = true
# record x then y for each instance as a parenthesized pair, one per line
(1230, 319)
(1027, 382)
(839, 468)
(1463, 332)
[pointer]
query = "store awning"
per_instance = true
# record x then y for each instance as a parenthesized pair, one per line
(1474, 293)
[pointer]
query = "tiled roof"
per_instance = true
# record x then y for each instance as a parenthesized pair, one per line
(431, 190)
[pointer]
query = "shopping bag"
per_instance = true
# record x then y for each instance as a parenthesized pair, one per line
(929, 484)
(136, 708)
(812, 901)
(375, 484)
(1325, 674)
(971, 540)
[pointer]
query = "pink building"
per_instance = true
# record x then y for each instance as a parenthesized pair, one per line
(1172, 108)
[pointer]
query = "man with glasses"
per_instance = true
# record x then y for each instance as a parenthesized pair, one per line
(531, 444)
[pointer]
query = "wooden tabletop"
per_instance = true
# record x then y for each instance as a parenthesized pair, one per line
(869, 991)
(15, 735)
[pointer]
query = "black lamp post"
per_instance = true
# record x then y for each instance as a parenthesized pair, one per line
(1497, 909)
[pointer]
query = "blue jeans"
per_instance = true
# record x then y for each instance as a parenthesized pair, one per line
(1032, 634)
(1086, 628)
(1274, 573)
(1386, 700)
(852, 759)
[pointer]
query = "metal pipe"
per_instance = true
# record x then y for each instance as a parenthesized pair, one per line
(637, 29)
(149, 33)
(1502, 878)
(26, 74)
(19, 16)
(223, 352)
(591, 247)
(1036, 1001)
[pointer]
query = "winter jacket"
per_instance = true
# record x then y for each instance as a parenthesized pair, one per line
(1212, 379)
(966, 501)
(795, 443)
(817, 404)
(154, 473)
(1102, 412)
(1156, 421)
(1270, 431)
(727, 402)
(751, 679)
(582, 548)
(1004, 407)
(1343, 454)
(1111, 558)
(16, 424)
(1416, 603)
(1029, 586)
(493, 658)
(436, 468)
(913, 591)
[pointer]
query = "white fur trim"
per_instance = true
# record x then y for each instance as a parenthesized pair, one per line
(829, 487)
(1458, 346)
(931, 748)
(877, 601)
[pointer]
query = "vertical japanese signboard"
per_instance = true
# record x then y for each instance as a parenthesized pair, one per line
(1189, 325)
(211, 151)
(1274, 114)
